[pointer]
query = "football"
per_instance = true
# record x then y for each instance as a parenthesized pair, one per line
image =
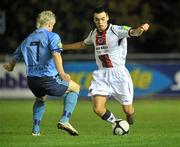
(120, 127)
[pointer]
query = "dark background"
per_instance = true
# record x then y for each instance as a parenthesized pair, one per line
(74, 21)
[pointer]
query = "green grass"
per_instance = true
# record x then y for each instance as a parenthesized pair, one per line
(157, 125)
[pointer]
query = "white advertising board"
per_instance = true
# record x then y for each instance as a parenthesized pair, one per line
(14, 84)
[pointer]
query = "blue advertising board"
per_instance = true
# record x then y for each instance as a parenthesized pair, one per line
(148, 79)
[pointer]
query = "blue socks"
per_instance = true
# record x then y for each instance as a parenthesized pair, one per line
(70, 100)
(38, 111)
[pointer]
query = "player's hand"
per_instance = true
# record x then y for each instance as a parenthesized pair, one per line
(8, 67)
(66, 77)
(138, 31)
(145, 27)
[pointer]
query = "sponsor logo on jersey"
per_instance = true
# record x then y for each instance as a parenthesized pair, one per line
(101, 47)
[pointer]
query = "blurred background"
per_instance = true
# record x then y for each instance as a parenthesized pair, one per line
(74, 21)
(153, 59)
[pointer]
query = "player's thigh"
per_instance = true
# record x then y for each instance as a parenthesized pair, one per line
(73, 86)
(54, 86)
(124, 94)
(99, 102)
(35, 87)
(41, 86)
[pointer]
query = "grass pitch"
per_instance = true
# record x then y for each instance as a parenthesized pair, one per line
(157, 124)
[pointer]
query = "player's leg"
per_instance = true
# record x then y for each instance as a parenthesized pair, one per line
(70, 90)
(127, 102)
(128, 107)
(70, 101)
(127, 98)
(99, 102)
(39, 104)
(129, 111)
(38, 112)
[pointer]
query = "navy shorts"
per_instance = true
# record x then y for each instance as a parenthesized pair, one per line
(41, 86)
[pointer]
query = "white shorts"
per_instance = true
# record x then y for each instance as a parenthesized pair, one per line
(113, 82)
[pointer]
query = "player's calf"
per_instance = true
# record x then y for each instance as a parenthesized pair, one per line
(130, 118)
(129, 111)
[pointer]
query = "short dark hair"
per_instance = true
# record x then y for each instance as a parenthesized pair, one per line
(100, 10)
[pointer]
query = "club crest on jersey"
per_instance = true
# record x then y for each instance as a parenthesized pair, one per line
(100, 40)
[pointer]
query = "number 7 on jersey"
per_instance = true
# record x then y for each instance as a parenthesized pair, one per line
(36, 43)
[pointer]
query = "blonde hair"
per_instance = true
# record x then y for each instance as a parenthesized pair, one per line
(44, 18)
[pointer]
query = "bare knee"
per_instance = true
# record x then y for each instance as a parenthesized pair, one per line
(77, 88)
(128, 109)
(99, 111)
(41, 99)
(73, 86)
(99, 102)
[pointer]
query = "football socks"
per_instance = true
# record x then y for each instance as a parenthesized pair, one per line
(70, 101)
(38, 111)
(108, 116)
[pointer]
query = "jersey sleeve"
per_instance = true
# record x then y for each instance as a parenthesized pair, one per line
(122, 31)
(88, 40)
(55, 43)
(17, 55)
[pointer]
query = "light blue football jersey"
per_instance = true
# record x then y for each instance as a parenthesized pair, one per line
(36, 50)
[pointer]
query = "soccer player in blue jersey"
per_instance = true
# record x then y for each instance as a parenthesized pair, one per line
(41, 51)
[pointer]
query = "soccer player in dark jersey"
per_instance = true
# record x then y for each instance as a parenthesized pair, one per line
(41, 51)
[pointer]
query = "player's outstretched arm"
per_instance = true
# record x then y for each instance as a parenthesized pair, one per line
(74, 46)
(10, 65)
(139, 30)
